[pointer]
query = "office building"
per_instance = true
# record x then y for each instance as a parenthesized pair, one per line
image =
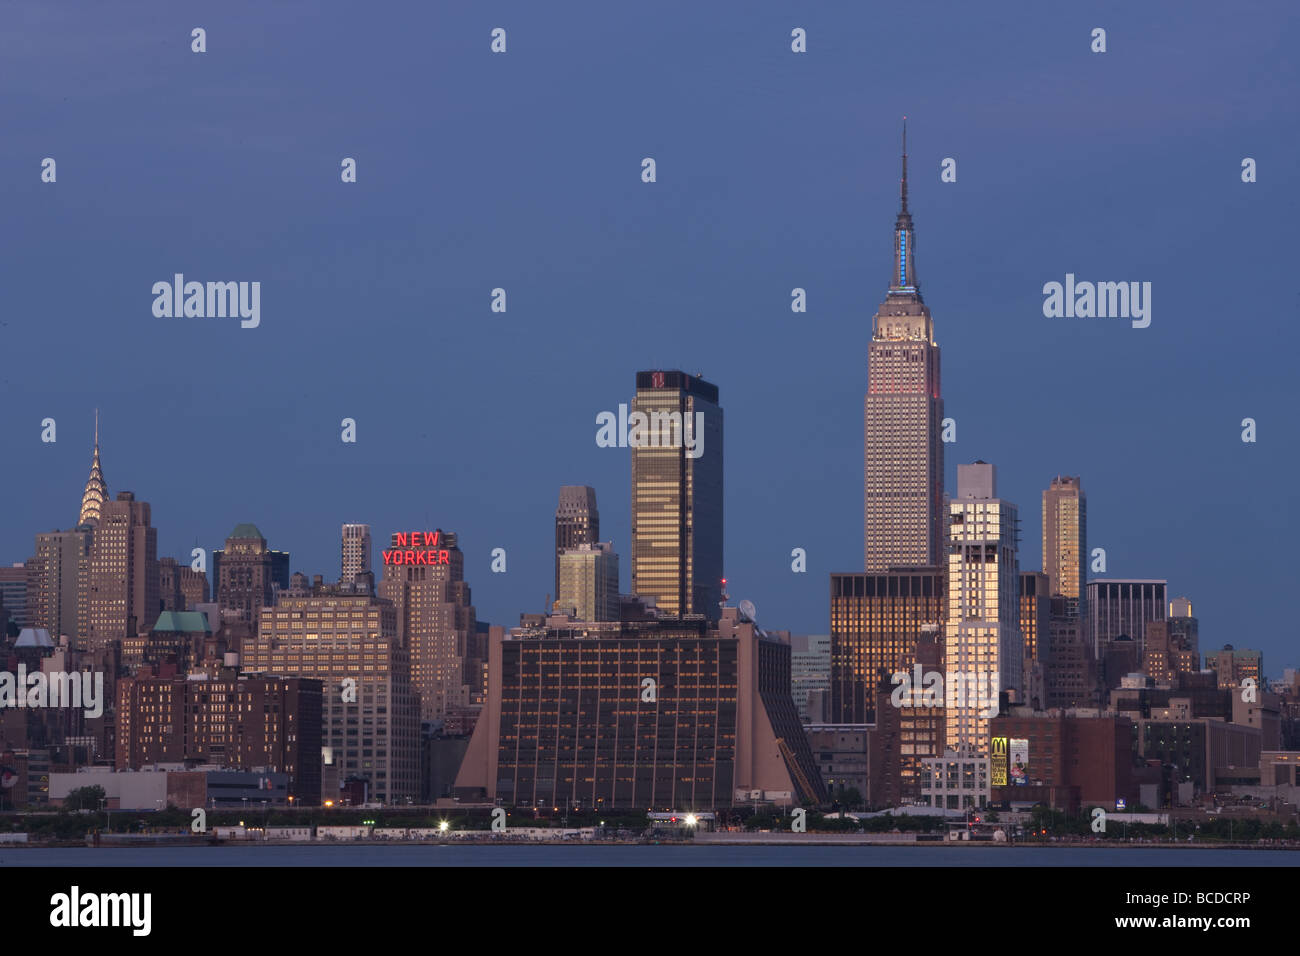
(983, 649)
(577, 522)
(357, 551)
(1123, 606)
(244, 575)
(1065, 542)
(1232, 666)
(18, 600)
(231, 721)
(910, 728)
(121, 591)
(589, 582)
(676, 433)
(676, 714)
(877, 620)
(810, 675)
(371, 724)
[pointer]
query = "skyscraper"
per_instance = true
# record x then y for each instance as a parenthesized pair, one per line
(244, 576)
(577, 522)
(16, 595)
(676, 439)
(1123, 606)
(589, 582)
(96, 493)
(902, 419)
(1065, 542)
(877, 622)
(357, 550)
(122, 577)
(983, 650)
(56, 574)
(436, 622)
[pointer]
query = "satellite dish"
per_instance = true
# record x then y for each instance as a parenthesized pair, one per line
(747, 610)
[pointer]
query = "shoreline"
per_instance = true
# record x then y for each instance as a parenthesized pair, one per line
(766, 840)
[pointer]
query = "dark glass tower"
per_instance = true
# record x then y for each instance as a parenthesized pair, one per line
(677, 493)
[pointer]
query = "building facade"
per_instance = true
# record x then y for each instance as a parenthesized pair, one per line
(577, 522)
(357, 551)
(1125, 607)
(370, 719)
(56, 577)
(677, 493)
(983, 649)
(669, 714)
(121, 591)
(589, 582)
(245, 579)
(1065, 542)
(226, 721)
(436, 622)
(903, 419)
(877, 621)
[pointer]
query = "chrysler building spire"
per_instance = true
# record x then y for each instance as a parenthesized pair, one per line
(96, 493)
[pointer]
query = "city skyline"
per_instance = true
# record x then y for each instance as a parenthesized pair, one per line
(1122, 408)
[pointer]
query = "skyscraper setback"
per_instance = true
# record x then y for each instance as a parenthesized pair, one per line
(677, 495)
(1065, 541)
(577, 522)
(902, 419)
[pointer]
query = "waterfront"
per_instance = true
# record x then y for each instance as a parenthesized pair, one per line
(452, 855)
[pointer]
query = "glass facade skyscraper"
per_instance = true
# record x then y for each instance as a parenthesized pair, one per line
(677, 493)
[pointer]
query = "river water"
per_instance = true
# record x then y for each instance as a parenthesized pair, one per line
(365, 854)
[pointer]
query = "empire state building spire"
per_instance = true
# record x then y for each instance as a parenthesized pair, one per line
(903, 280)
(96, 493)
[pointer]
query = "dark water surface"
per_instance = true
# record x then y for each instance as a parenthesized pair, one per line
(632, 855)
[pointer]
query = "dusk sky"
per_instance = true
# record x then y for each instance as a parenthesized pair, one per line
(775, 170)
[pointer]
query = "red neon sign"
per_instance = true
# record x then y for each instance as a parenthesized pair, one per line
(412, 540)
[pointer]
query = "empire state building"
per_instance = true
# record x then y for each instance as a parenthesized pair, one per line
(902, 419)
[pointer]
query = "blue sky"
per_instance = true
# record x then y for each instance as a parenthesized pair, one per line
(775, 170)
